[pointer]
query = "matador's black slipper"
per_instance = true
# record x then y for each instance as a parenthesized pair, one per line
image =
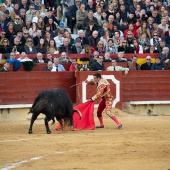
(100, 126)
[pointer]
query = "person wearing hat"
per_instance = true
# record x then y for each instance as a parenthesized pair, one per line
(77, 47)
(84, 66)
(61, 28)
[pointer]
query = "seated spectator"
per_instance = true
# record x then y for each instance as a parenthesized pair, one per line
(32, 30)
(36, 39)
(124, 47)
(148, 64)
(77, 48)
(6, 66)
(40, 23)
(57, 66)
(105, 37)
(143, 28)
(137, 49)
(15, 11)
(84, 40)
(84, 66)
(29, 47)
(114, 67)
(64, 58)
(122, 58)
(107, 57)
(94, 57)
(111, 47)
(152, 49)
(132, 30)
(104, 28)
(2, 34)
(74, 65)
(61, 28)
(129, 38)
(144, 42)
(67, 34)
(116, 37)
(48, 58)
(91, 27)
(10, 30)
(98, 15)
(165, 55)
(41, 47)
(17, 48)
(158, 30)
(17, 24)
(59, 39)
(163, 25)
(101, 47)
(94, 39)
(49, 66)
(99, 65)
(39, 58)
(133, 64)
(65, 47)
(86, 49)
(51, 47)
(5, 46)
(12, 59)
(158, 65)
(162, 44)
(23, 57)
(155, 40)
(88, 19)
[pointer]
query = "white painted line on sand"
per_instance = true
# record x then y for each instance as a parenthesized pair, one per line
(14, 165)
(18, 140)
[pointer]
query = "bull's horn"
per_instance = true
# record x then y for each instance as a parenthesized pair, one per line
(76, 110)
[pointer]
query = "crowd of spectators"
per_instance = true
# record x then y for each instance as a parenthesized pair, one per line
(103, 26)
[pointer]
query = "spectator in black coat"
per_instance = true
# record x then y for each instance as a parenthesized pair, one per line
(84, 40)
(38, 36)
(72, 14)
(65, 47)
(90, 7)
(94, 39)
(98, 66)
(159, 65)
(148, 64)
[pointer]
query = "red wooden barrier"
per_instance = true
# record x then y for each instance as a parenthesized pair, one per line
(22, 87)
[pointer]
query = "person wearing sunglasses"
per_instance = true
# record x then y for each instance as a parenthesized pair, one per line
(148, 64)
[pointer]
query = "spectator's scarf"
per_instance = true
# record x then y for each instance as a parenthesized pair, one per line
(155, 42)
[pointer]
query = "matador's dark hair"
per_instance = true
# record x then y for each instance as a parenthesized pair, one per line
(98, 75)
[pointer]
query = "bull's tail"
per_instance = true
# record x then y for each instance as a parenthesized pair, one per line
(76, 110)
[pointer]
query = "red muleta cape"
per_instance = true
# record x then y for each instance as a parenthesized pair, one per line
(87, 120)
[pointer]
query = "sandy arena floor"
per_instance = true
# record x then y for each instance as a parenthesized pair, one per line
(142, 144)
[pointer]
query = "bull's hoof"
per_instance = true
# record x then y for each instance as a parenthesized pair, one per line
(30, 131)
(48, 132)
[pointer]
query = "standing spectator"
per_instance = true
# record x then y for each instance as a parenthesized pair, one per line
(90, 6)
(133, 64)
(72, 14)
(148, 64)
(81, 14)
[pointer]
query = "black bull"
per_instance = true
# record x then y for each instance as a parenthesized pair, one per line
(54, 103)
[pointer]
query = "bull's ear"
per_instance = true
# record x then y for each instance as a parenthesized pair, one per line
(39, 106)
